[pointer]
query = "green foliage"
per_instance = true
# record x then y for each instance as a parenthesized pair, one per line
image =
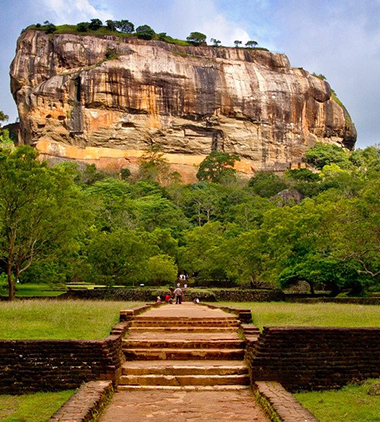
(3, 117)
(154, 167)
(266, 184)
(5, 140)
(161, 270)
(145, 32)
(320, 76)
(251, 44)
(196, 38)
(95, 24)
(217, 167)
(215, 42)
(237, 43)
(325, 154)
(40, 211)
(124, 26)
(83, 26)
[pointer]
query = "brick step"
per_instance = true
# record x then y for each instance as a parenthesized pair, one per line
(185, 329)
(183, 380)
(185, 318)
(183, 388)
(182, 344)
(187, 323)
(184, 354)
(250, 329)
(203, 367)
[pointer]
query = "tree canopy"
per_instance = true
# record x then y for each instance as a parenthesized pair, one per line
(196, 38)
(68, 224)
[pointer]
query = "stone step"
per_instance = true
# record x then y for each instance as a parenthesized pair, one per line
(182, 344)
(184, 323)
(183, 380)
(185, 329)
(184, 354)
(203, 367)
(183, 388)
(185, 318)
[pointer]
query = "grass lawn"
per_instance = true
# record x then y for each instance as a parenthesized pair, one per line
(316, 314)
(37, 407)
(59, 319)
(34, 289)
(349, 404)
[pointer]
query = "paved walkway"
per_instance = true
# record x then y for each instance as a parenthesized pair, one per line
(169, 405)
(184, 406)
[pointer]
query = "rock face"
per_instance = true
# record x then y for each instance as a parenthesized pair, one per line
(106, 100)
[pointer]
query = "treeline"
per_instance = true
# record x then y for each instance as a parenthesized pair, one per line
(321, 227)
(126, 28)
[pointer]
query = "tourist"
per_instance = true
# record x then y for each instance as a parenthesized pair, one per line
(158, 300)
(168, 297)
(178, 296)
(196, 300)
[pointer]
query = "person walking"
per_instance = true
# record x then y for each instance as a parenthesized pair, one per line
(178, 296)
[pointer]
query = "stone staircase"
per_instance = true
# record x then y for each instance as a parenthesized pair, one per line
(184, 352)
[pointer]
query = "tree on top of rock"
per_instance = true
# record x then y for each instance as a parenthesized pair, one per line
(95, 24)
(196, 38)
(145, 32)
(3, 117)
(251, 44)
(126, 26)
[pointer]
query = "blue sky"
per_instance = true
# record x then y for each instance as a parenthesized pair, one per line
(339, 38)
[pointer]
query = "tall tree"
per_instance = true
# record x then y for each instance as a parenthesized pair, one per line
(217, 167)
(39, 210)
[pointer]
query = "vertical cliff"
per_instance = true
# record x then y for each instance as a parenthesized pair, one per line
(106, 100)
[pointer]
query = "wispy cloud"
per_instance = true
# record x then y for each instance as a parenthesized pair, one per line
(63, 11)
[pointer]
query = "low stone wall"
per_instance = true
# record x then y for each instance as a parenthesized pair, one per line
(208, 295)
(343, 300)
(279, 404)
(86, 404)
(48, 365)
(314, 357)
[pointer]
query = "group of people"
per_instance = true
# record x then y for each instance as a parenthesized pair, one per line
(176, 295)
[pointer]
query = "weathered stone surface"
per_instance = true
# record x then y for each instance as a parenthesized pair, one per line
(74, 103)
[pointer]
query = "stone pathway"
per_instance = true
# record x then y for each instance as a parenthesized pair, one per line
(184, 406)
(184, 363)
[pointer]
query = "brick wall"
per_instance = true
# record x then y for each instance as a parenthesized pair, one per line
(315, 357)
(47, 365)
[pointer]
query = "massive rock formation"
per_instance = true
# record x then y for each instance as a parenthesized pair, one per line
(107, 100)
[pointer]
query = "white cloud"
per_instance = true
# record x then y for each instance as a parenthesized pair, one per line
(74, 11)
(204, 16)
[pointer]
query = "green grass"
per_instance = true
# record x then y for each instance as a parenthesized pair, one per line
(349, 404)
(318, 314)
(58, 319)
(34, 289)
(37, 407)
